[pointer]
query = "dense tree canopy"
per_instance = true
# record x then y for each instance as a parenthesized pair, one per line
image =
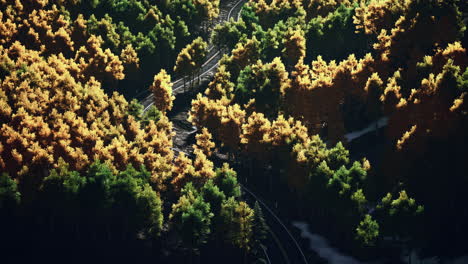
(295, 80)
(301, 74)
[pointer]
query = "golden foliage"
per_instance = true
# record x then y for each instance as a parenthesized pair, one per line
(93, 60)
(204, 168)
(210, 8)
(253, 133)
(224, 121)
(49, 113)
(376, 15)
(406, 136)
(191, 57)
(304, 99)
(162, 91)
(245, 54)
(294, 46)
(220, 86)
(130, 57)
(204, 142)
(182, 172)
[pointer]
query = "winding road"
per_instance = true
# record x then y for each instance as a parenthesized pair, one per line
(283, 248)
(231, 9)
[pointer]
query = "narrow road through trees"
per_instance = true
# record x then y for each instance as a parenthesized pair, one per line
(284, 248)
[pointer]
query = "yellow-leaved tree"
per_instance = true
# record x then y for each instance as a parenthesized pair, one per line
(162, 91)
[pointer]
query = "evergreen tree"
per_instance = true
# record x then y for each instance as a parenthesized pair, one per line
(191, 217)
(259, 227)
(152, 114)
(367, 231)
(213, 196)
(9, 195)
(237, 223)
(226, 179)
(135, 109)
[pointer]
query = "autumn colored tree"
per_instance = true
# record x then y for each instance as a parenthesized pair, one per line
(244, 54)
(204, 142)
(294, 46)
(253, 133)
(393, 45)
(377, 15)
(374, 89)
(224, 121)
(204, 168)
(182, 172)
(162, 91)
(190, 59)
(341, 83)
(220, 86)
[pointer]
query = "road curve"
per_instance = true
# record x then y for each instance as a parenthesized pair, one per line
(285, 248)
(288, 242)
(213, 56)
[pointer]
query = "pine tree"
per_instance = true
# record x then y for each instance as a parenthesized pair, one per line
(237, 221)
(226, 180)
(9, 195)
(191, 217)
(135, 109)
(214, 196)
(259, 227)
(367, 231)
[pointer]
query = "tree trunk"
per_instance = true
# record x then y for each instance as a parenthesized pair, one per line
(199, 75)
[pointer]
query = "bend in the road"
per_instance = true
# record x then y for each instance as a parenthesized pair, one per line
(296, 244)
(209, 59)
(147, 102)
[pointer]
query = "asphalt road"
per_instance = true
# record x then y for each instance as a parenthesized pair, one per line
(231, 9)
(283, 247)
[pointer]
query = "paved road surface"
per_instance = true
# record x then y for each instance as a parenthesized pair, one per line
(283, 248)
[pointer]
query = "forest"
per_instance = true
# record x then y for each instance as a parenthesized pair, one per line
(207, 131)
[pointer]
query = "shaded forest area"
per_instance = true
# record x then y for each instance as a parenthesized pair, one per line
(86, 172)
(302, 74)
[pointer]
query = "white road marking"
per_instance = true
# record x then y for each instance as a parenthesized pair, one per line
(209, 60)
